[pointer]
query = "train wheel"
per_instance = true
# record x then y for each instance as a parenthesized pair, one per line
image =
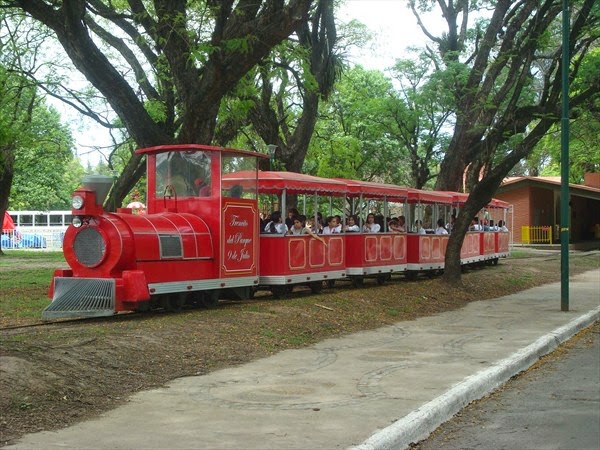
(173, 302)
(210, 299)
(357, 281)
(316, 287)
(279, 291)
(330, 283)
(495, 261)
(381, 279)
(411, 275)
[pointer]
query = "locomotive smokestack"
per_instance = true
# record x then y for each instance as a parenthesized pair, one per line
(100, 184)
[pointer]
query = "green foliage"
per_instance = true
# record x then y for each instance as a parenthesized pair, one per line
(584, 128)
(46, 171)
(352, 136)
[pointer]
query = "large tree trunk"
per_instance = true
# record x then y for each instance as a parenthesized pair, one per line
(7, 162)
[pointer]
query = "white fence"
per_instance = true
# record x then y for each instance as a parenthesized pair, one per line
(50, 238)
(36, 229)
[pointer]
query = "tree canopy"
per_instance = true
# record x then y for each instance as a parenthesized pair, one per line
(505, 77)
(163, 67)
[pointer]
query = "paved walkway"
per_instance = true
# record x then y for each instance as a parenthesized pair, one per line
(379, 389)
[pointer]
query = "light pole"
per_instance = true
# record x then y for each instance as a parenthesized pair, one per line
(271, 151)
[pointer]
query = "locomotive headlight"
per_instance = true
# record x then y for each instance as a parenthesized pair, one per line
(77, 202)
(76, 222)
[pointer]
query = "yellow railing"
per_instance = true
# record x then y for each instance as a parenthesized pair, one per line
(536, 235)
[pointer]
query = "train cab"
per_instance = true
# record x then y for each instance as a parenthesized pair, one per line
(197, 240)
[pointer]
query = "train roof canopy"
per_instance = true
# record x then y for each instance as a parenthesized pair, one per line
(421, 196)
(292, 182)
(460, 198)
(196, 147)
(371, 189)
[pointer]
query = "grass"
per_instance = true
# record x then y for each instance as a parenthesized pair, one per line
(39, 256)
(24, 292)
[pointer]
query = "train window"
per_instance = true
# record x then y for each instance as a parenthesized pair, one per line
(183, 174)
(238, 176)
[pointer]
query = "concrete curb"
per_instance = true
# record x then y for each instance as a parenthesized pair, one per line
(420, 423)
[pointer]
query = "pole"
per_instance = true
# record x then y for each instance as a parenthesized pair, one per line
(564, 164)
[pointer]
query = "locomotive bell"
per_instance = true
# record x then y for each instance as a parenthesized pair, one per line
(100, 184)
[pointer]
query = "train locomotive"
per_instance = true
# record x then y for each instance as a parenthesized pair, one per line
(200, 238)
(194, 241)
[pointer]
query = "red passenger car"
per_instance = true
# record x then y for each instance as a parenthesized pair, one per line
(307, 259)
(427, 250)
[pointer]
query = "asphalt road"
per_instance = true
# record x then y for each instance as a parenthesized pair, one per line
(554, 405)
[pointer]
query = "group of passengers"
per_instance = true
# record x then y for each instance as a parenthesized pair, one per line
(487, 225)
(298, 224)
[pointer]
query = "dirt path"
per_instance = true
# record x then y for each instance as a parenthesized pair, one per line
(55, 375)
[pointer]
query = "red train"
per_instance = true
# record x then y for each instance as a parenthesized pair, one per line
(201, 236)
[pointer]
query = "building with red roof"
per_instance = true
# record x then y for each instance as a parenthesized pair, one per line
(537, 201)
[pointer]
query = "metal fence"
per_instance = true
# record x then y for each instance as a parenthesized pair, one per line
(50, 238)
(536, 235)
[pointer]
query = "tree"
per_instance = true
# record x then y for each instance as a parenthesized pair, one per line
(17, 100)
(45, 169)
(288, 88)
(353, 136)
(420, 115)
(507, 88)
(164, 66)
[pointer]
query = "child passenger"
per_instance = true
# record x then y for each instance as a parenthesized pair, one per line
(299, 228)
(276, 225)
(352, 226)
(333, 226)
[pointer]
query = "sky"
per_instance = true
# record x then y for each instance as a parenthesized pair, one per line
(390, 21)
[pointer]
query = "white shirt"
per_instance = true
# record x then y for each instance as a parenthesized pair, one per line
(374, 228)
(441, 230)
(280, 228)
(329, 230)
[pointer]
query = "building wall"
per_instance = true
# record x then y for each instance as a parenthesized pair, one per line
(541, 207)
(592, 180)
(520, 199)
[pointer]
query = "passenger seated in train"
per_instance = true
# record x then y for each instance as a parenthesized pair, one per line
(475, 225)
(352, 224)
(394, 225)
(419, 227)
(314, 227)
(276, 225)
(333, 226)
(370, 226)
(440, 227)
(502, 226)
(402, 224)
(289, 220)
(450, 225)
(299, 228)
